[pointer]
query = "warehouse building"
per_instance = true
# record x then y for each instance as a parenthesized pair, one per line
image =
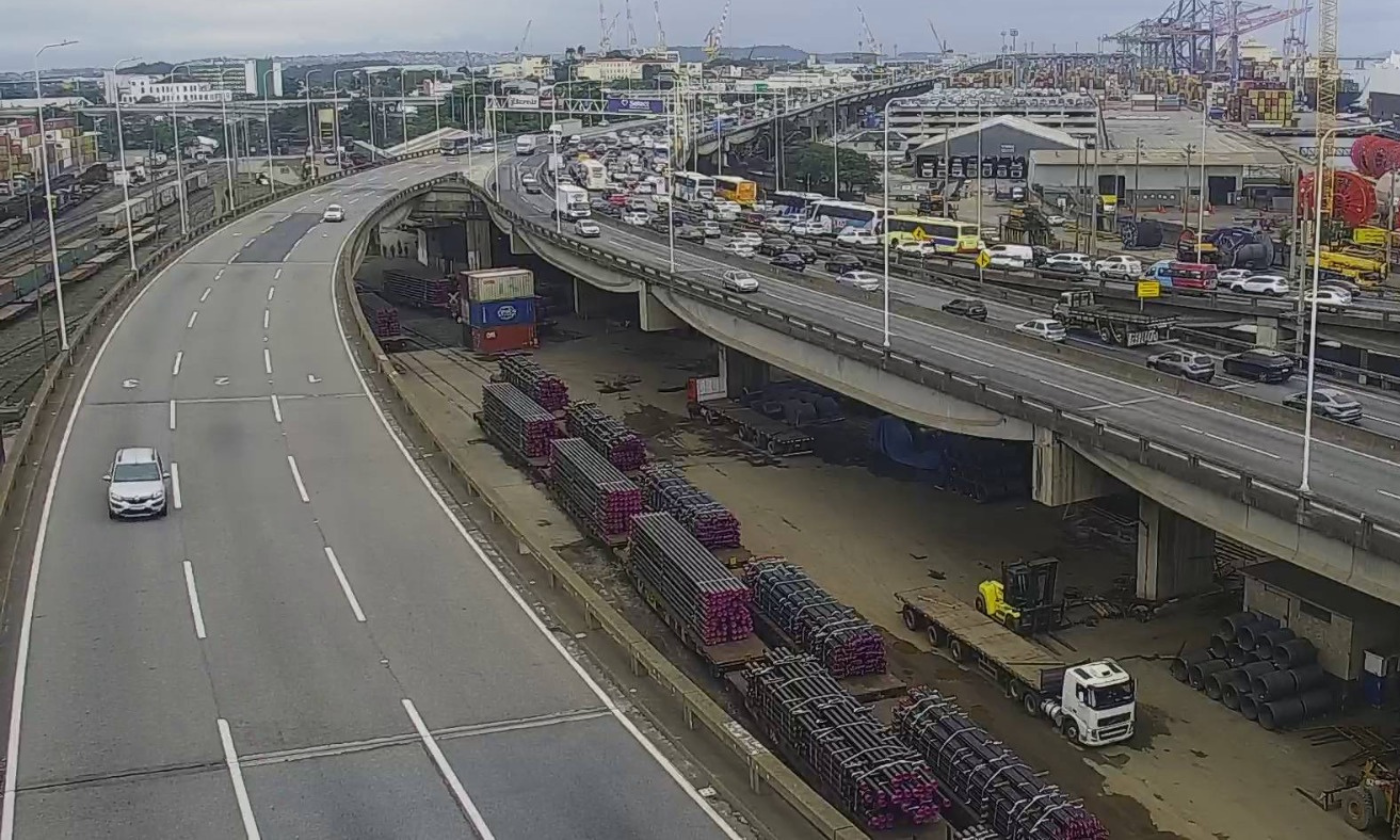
(932, 114)
(1005, 143)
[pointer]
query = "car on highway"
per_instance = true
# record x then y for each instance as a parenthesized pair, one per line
(778, 225)
(333, 213)
(789, 260)
(1260, 363)
(738, 247)
(753, 238)
(839, 264)
(1329, 298)
(806, 252)
(1045, 329)
(809, 228)
(711, 228)
(636, 218)
(1261, 284)
(917, 250)
(740, 281)
(853, 237)
(1328, 402)
(1335, 282)
(588, 229)
(865, 281)
(966, 308)
(1008, 255)
(1198, 367)
(530, 184)
(1228, 276)
(690, 233)
(774, 246)
(1119, 268)
(136, 484)
(1070, 263)
(1054, 219)
(599, 205)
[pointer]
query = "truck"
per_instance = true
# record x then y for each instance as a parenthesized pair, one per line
(1077, 310)
(525, 144)
(571, 202)
(1091, 703)
(563, 131)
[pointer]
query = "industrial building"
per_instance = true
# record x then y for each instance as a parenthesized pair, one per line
(1008, 139)
(923, 118)
(208, 82)
(627, 68)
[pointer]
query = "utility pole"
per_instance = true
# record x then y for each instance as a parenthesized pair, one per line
(1137, 176)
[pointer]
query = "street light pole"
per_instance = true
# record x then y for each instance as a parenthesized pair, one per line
(121, 154)
(1303, 485)
(48, 198)
(267, 123)
(1201, 205)
(403, 107)
(310, 130)
(835, 151)
(369, 112)
(179, 171)
(228, 147)
(335, 103)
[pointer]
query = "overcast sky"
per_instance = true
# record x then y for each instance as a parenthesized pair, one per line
(183, 29)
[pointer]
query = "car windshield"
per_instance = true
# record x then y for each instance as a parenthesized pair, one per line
(1104, 698)
(135, 472)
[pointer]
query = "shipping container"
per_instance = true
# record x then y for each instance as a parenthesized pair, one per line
(502, 313)
(504, 339)
(493, 284)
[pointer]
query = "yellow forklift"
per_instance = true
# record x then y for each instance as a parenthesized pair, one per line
(1371, 803)
(1026, 599)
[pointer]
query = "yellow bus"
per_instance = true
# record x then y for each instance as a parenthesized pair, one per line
(948, 235)
(737, 190)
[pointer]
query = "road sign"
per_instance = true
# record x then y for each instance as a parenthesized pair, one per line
(1149, 289)
(919, 235)
(624, 105)
(984, 259)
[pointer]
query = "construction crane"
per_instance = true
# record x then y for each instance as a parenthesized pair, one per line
(870, 44)
(631, 28)
(604, 30)
(520, 47)
(714, 39)
(660, 29)
(1328, 75)
(942, 45)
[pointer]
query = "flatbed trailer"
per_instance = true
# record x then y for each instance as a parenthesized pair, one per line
(757, 430)
(721, 659)
(867, 688)
(1078, 311)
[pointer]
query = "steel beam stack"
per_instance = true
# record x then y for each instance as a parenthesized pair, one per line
(418, 292)
(995, 785)
(667, 489)
(698, 589)
(846, 644)
(515, 422)
(877, 780)
(382, 316)
(538, 384)
(592, 490)
(623, 448)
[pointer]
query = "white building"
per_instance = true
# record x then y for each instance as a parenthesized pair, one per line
(940, 111)
(625, 69)
(528, 67)
(132, 88)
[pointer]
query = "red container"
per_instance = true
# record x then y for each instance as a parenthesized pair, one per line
(504, 339)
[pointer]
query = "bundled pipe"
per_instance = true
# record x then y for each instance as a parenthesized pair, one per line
(623, 448)
(592, 490)
(846, 644)
(698, 590)
(538, 384)
(666, 488)
(515, 422)
(1001, 790)
(876, 779)
(383, 318)
(418, 292)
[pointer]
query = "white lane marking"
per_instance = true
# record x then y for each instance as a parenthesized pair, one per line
(231, 259)
(267, 360)
(1389, 494)
(345, 585)
(300, 209)
(1073, 391)
(276, 409)
(172, 415)
(219, 274)
(1382, 420)
(276, 276)
(1193, 430)
(179, 357)
(194, 601)
(205, 296)
(352, 201)
(175, 485)
(271, 290)
(267, 313)
(240, 792)
(250, 242)
(604, 698)
(193, 316)
(296, 476)
(448, 774)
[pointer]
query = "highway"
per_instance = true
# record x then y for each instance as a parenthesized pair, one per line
(311, 644)
(1340, 474)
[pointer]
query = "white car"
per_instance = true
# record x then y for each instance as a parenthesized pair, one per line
(1045, 329)
(1329, 298)
(1262, 284)
(1071, 263)
(1006, 261)
(807, 229)
(587, 228)
(921, 250)
(1055, 220)
(1122, 267)
(333, 213)
(1229, 276)
(720, 213)
(740, 281)
(778, 226)
(738, 247)
(636, 218)
(865, 281)
(853, 237)
(753, 238)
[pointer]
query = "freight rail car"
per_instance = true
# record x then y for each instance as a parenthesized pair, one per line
(114, 218)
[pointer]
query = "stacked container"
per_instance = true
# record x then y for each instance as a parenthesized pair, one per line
(498, 309)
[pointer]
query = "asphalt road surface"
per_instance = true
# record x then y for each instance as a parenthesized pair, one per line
(310, 645)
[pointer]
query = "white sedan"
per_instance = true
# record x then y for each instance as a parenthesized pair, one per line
(778, 225)
(1054, 220)
(333, 213)
(740, 281)
(807, 229)
(1262, 284)
(1229, 276)
(853, 237)
(921, 250)
(752, 237)
(1045, 329)
(1125, 268)
(865, 281)
(739, 248)
(636, 218)
(1329, 298)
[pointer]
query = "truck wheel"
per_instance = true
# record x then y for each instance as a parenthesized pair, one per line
(1070, 730)
(911, 618)
(956, 649)
(1030, 701)
(1359, 809)
(936, 636)
(981, 604)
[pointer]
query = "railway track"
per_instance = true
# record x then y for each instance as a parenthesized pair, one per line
(442, 385)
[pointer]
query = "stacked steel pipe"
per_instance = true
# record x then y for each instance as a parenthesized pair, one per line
(876, 779)
(515, 422)
(997, 787)
(623, 447)
(418, 292)
(592, 490)
(698, 590)
(538, 384)
(667, 489)
(382, 316)
(846, 644)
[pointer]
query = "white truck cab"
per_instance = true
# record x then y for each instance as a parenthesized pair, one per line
(1097, 704)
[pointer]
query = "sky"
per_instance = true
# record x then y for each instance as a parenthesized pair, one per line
(172, 30)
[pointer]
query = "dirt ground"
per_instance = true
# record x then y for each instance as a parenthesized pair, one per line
(1194, 770)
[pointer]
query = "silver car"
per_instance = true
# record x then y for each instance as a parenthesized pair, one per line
(136, 484)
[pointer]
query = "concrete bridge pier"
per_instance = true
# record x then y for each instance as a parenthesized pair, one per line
(742, 372)
(1175, 555)
(1062, 476)
(443, 247)
(478, 238)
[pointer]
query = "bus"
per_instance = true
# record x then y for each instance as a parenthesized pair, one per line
(594, 175)
(741, 191)
(692, 186)
(836, 216)
(454, 146)
(948, 235)
(794, 203)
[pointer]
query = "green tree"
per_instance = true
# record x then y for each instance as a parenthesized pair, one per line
(811, 165)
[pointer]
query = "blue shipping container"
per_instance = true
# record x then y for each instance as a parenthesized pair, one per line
(503, 313)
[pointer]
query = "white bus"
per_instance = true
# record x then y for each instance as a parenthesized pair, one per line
(595, 174)
(795, 203)
(693, 186)
(836, 216)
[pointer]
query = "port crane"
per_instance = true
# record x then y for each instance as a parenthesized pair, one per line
(714, 39)
(520, 47)
(942, 44)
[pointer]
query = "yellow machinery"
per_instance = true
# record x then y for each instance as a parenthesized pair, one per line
(1371, 803)
(1026, 599)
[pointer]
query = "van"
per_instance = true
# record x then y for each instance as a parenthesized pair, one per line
(1012, 256)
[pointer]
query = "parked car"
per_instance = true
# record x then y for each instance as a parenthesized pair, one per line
(1262, 284)
(789, 260)
(738, 247)
(136, 484)
(1197, 367)
(806, 252)
(807, 229)
(1118, 267)
(690, 233)
(1329, 298)
(711, 228)
(1260, 363)
(865, 281)
(853, 237)
(774, 247)
(1070, 263)
(966, 308)
(740, 281)
(1045, 329)
(587, 228)
(839, 265)
(1328, 402)
(333, 213)
(919, 250)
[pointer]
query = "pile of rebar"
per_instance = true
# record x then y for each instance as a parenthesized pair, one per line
(516, 423)
(538, 384)
(872, 776)
(667, 489)
(998, 788)
(698, 590)
(592, 490)
(382, 316)
(623, 448)
(846, 644)
(418, 292)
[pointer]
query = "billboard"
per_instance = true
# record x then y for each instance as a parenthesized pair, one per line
(522, 102)
(621, 105)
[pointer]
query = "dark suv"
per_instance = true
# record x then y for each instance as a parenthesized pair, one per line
(774, 247)
(966, 308)
(839, 265)
(1197, 367)
(1260, 363)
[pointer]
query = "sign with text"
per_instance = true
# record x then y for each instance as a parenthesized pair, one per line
(623, 105)
(1149, 289)
(522, 102)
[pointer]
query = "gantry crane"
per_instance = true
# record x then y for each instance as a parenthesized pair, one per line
(604, 30)
(942, 45)
(714, 39)
(870, 43)
(520, 47)
(1328, 74)
(660, 28)
(631, 29)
